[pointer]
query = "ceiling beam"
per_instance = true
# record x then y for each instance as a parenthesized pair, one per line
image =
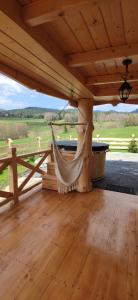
(114, 102)
(24, 2)
(89, 57)
(42, 11)
(29, 82)
(112, 90)
(110, 78)
(103, 102)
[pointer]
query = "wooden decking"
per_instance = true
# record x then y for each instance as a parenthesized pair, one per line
(72, 247)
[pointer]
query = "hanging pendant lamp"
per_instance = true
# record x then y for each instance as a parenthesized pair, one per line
(125, 88)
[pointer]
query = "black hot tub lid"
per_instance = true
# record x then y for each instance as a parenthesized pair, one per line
(71, 145)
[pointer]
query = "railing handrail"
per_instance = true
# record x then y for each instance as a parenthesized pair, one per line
(34, 153)
(9, 158)
(114, 139)
(5, 159)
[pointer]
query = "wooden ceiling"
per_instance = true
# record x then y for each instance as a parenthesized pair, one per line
(70, 48)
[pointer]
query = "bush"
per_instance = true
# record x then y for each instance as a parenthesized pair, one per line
(65, 128)
(131, 120)
(13, 131)
(71, 117)
(133, 146)
(31, 159)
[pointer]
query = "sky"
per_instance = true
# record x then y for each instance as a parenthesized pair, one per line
(14, 95)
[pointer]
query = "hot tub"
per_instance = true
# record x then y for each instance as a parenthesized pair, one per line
(98, 159)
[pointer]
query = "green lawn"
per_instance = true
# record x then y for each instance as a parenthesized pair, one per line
(4, 176)
(19, 120)
(125, 132)
(44, 131)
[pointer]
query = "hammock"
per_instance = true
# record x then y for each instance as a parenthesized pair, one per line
(68, 171)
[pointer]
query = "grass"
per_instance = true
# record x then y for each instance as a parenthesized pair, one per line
(41, 129)
(19, 120)
(125, 132)
(4, 176)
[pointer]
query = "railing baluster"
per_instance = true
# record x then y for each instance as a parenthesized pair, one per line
(13, 175)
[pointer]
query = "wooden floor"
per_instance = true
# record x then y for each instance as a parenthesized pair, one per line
(72, 247)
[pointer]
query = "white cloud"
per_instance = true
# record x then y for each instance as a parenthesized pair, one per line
(6, 103)
(66, 106)
(9, 86)
(9, 89)
(33, 94)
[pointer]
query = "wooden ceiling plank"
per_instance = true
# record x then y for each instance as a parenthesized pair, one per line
(130, 16)
(114, 102)
(110, 78)
(110, 66)
(63, 35)
(112, 90)
(94, 21)
(34, 69)
(42, 11)
(100, 68)
(28, 81)
(80, 30)
(89, 57)
(33, 77)
(38, 43)
(113, 20)
(88, 70)
(12, 64)
(24, 2)
(132, 68)
(34, 62)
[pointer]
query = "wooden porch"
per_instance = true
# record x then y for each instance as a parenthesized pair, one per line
(75, 246)
(80, 245)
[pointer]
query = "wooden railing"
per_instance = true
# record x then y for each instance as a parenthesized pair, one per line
(17, 188)
(116, 144)
(22, 148)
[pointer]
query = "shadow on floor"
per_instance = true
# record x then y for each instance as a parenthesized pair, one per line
(120, 176)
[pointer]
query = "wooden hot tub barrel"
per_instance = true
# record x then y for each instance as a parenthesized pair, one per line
(98, 158)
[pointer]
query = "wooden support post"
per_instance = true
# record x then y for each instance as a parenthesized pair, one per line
(85, 115)
(39, 143)
(13, 175)
(10, 141)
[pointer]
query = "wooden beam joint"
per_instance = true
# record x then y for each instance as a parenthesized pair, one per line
(109, 79)
(89, 57)
(42, 11)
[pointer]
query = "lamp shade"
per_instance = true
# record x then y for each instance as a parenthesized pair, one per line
(124, 91)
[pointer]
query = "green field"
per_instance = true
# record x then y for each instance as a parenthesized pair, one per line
(38, 127)
(4, 176)
(44, 131)
(125, 132)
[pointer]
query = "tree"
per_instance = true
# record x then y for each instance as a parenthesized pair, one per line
(133, 146)
(65, 128)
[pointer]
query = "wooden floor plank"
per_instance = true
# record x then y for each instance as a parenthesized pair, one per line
(70, 247)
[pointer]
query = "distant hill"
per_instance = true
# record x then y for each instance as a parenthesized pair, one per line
(33, 110)
(101, 111)
(135, 111)
(28, 112)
